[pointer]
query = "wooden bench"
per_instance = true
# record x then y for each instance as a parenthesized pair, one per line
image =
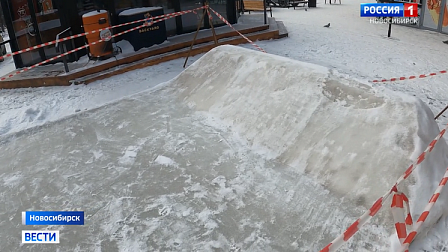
(255, 6)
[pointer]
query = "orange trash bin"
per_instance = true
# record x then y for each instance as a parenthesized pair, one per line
(95, 20)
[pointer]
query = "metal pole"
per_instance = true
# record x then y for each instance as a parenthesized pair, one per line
(195, 35)
(64, 58)
(265, 12)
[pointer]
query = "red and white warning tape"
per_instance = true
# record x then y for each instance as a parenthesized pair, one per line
(169, 15)
(93, 43)
(412, 77)
(209, 14)
(227, 22)
(401, 214)
(367, 216)
(424, 215)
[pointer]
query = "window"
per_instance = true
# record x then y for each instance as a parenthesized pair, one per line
(190, 21)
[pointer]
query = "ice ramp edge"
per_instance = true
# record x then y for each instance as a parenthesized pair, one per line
(11, 135)
(351, 137)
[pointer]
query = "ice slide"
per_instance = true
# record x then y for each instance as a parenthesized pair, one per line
(243, 151)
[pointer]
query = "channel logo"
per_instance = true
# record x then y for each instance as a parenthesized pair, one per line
(40, 236)
(53, 218)
(389, 10)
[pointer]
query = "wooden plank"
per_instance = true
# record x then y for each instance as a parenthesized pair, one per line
(254, 5)
(36, 82)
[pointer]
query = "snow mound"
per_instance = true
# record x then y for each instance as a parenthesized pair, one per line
(353, 138)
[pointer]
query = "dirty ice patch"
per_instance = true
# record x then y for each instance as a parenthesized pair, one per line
(198, 191)
(96, 155)
(165, 161)
(13, 180)
(129, 155)
(131, 152)
(206, 219)
(223, 192)
(123, 125)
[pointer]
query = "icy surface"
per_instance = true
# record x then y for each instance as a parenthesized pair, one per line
(352, 48)
(219, 195)
(183, 167)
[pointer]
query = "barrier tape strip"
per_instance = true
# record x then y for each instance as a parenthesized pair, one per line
(169, 15)
(227, 23)
(372, 211)
(93, 43)
(209, 14)
(424, 215)
(401, 215)
(412, 77)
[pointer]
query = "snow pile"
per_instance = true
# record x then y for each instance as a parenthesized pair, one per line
(126, 46)
(354, 139)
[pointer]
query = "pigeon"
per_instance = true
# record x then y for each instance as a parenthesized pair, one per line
(328, 25)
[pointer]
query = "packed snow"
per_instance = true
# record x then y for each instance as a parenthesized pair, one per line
(125, 46)
(330, 128)
(227, 162)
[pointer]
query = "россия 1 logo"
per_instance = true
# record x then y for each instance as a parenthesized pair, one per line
(389, 10)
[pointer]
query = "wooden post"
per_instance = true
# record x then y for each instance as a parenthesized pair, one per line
(195, 35)
(213, 28)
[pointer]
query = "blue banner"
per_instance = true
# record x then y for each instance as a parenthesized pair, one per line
(53, 218)
(382, 10)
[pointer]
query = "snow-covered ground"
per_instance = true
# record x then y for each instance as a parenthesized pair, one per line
(351, 48)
